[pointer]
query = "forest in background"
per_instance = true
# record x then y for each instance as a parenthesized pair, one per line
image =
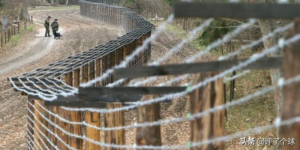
(163, 8)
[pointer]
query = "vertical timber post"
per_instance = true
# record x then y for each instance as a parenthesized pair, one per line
(224, 86)
(66, 115)
(31, 124)
(149, 113)
(52, 128)
(149, 48)
(115, 119)
(76, 117)
(1, 40)
(98, 70)
(19, 27)
(212, 125)
(92, 118)
(39, 120)
(8, 35)
(104, 68)
(125, 51)
(291, 93)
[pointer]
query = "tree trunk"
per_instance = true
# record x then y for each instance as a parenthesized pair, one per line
(267, 26)
(25, 9)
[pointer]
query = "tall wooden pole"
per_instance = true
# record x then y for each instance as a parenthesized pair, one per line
(148, 113)
(31, 124)
(92, 118)
(212, 125)
(39, 120)
(66, 115)
(76, 117)
(291, 93)
(115, 119)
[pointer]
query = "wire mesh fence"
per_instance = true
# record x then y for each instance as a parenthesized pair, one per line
(68, 99)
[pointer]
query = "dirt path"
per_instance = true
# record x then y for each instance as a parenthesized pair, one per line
(79, 34)
(33, 51)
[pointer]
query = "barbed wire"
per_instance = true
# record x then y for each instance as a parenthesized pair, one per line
(51, 92)
(130, 57)
(193, 144)
(38, 135)
(49, 131)
(252, 59)
(189, 117)
(218, 42)
(29, 140)
(242, 48)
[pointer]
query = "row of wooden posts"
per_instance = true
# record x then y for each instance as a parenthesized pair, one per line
(6, 35)
(109, 15)
(149, 113)
(83, 75)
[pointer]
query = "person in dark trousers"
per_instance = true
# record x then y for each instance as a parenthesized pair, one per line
(55, 28)
(47, 25)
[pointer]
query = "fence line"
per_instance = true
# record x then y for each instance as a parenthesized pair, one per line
(77, 125)
(85, 66)
(6, 35)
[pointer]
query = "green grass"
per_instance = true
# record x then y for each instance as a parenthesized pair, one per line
(30, 28)
(15, 38)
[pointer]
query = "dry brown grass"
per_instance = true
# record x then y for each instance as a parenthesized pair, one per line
(258, 112)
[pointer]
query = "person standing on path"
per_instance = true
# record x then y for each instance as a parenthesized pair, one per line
(55, 28)
(47, 26)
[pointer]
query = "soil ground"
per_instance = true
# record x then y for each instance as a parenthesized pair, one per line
(34, 50)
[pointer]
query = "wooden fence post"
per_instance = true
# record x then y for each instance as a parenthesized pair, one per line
(38, 137)
(25, 24)
(92, 118)
(212, 125)
(19, 27)
(1, 40)
(5, 37)
(76, 117)
(98, 70)
(8, 35)
(225, 100)
(31, 124)
(104, 68)
(66, 115)
(291, 94)
(232, 83)
(149, 113)
(52, 128)
(149, 48)
(115, 119)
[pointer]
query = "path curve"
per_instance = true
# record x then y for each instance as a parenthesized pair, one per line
(34, 51)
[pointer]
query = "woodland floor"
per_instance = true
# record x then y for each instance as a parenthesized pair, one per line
(79, 34)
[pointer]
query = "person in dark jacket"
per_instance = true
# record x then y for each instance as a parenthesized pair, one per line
(55, 27)
(47, 25)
